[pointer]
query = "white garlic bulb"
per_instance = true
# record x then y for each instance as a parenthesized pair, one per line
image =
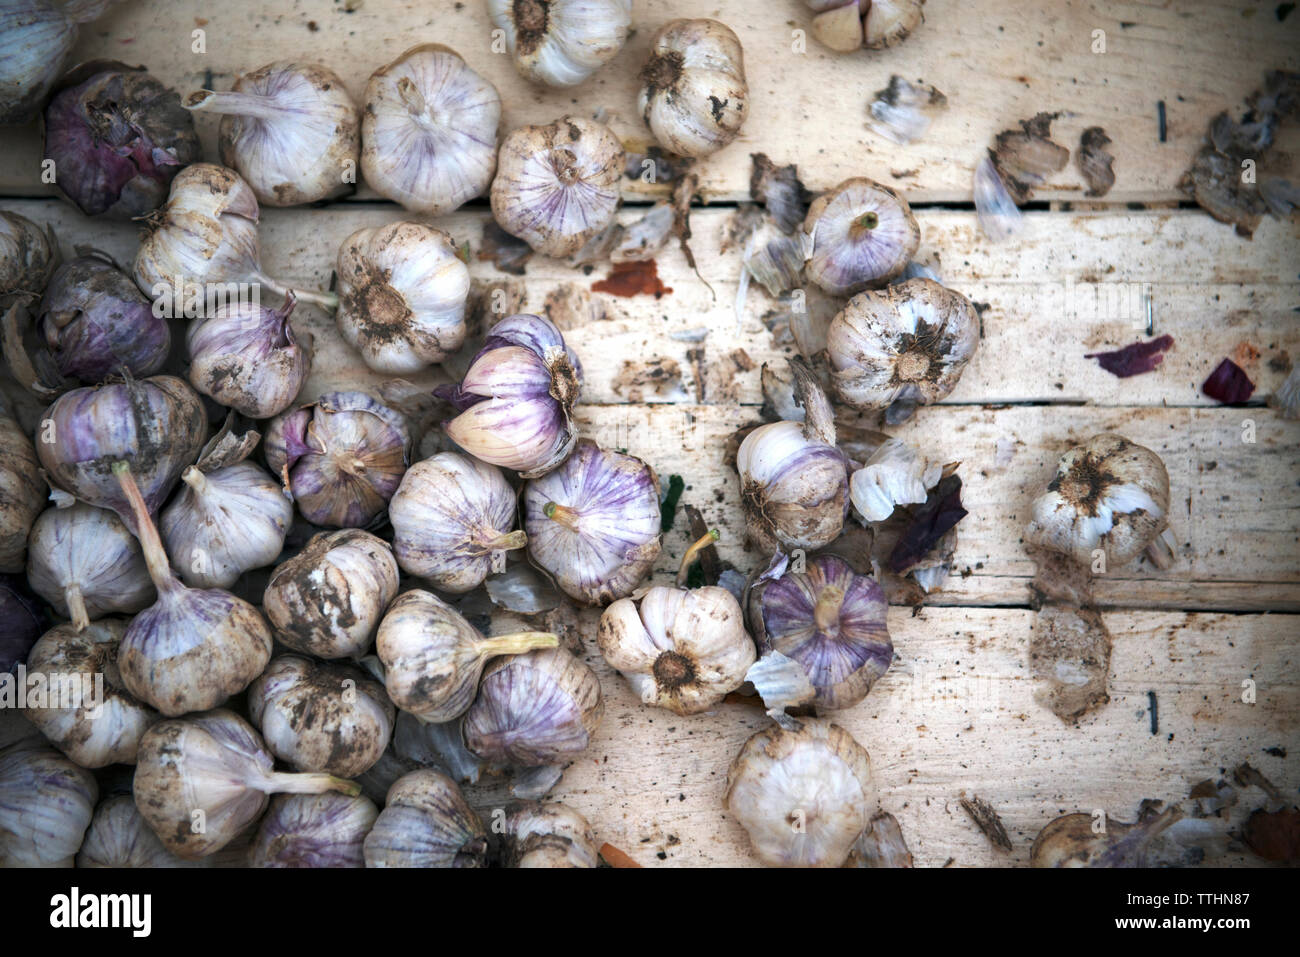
(804, 795)
(561, 42)
(119, 837)
(547, 835)
(429, 131)
(896, 474)
(402, 290)
(861, 234)
(290, 129)
(46, 803)
(694, 97)
(426, 823)
(313, 830)
(558, 185)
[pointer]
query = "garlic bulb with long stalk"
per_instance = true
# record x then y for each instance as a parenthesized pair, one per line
(803, 794)
(328, 599)
(87, 713)
(429, 130)
(861, 234)
(535, 709)
(426, 823)
(46, 803)
(557, 186)
(402, 292)
(547, 835)
(314, 830)
(119, 837)
(593, 524)
(453, 521)
(21, 493)
(290, 129)
(200, 780)
(36, 36)
(561, 42)
(848, 25)
(694, 97)
(433, 657)
(193, 648)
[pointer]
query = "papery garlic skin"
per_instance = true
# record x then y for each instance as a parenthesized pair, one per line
(402, 291)
(593, 524)
(429, 131)
(794, 489)
(678, 649)
(313, 830)
(561, 42)
(22, 495)
(557, 186)
(426, 823)
(694, 97)
(328, 599)
(816, 777)
(290, 130)
(896, 474)
(862, 234)
(547, 835)
(46, 803)
(1109, 495)
(119, 837)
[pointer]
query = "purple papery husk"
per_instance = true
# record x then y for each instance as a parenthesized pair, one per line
(1228, 383)
(941, 511)
(1133, 359)
(22, 621)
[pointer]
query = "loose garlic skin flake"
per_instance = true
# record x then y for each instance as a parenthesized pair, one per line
(561, 42)
(694, 97)
(862, 234)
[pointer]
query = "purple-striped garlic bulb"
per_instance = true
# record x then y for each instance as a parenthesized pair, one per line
(861, 234)
(314, 830)
(426, 822)
(848, 25)
(693, 96)
(46, 804)
(119, 837)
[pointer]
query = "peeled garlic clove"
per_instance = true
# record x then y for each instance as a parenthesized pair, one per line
(426, 823)
(119, 837)
(21, 493)
(342, 457)
(429, 131)
(321, 717)
(290, 129)
(830, 620)
(535, 709)
(561, 42)
(593, 524)
(46, 803)
(199, 781)
(86, 712)
(681, 650)
(889, 22)
(328, 599)
(694, 97)
(906, 344)
(557, 186)
(803, 795)
(516, 400)
(28, 256)
(433, 657)
(862, 234)
(896, 474)
(547, 835)
(313, 830)
(1108, 495)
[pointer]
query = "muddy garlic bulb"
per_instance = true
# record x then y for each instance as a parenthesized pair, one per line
(28, 257)
(561, 42)
(313, 830)
(1108, 495)
(429, 131)
(199, 781)
(402, 292)
(22, 495)
(803, 795)
(87, 714)
(119, 837)
(593, 524)
(903, 346)
(557, 186)
(547, 835)
(46, 803)
(848, 25)
(290, 129)
(341, 457)
(516, 400)
(535, 709)
(328, 599)
(433, 657)
(861, 234)
(426, 823)
(321, 717)
(694, 97)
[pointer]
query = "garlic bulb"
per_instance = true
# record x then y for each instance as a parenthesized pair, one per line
(119, 837)
(453, 521)
(429, 131)
(561, 42)
(534, 709)
(225, 522)
(21, 493)
(290, 130)
(36, 36)
(199, 781)
(896, 474)
(46, 803)
(433, 657)
(547, 835)
(321, 717)
(28, 256)
(904, 345)
(694, 97)
(313, 830)
(402, 292)
(848, 25)
(803, 795)
(328, 599)
(593, 524)
(861, 234)
(829, 620)
(516, 400)
(557, 186)
(1108, 494)
(342, 457)
(87, 713)
(426, 823)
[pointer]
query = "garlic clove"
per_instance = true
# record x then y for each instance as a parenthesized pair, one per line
(561, 42)
(547, 835)
(426, 823)
(840, 28)
(313, 830)
(862, 234)
(889, 22)
(896, 474)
